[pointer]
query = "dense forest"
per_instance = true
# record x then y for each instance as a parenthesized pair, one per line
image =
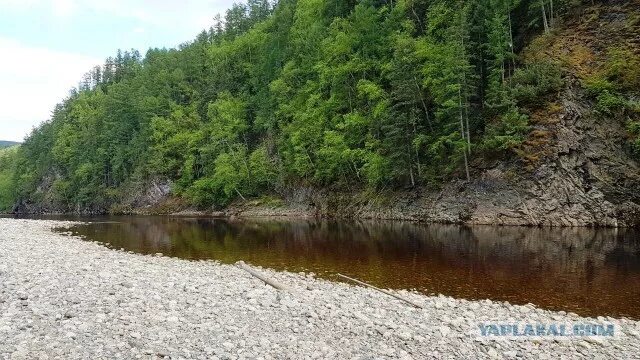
(327, 93)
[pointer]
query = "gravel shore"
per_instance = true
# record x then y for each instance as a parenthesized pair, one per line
(61, 297)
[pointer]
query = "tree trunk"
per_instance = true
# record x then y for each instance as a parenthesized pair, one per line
(408, 141)
(462, 132)
(415, 135)
(466, 101)
(382, 291)
(424, 105)
(237, 191)
(544, 17)
(261, 276)
(413, 182)
(513, 56)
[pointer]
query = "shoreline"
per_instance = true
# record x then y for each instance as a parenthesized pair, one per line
(67, 298)
(306, 216)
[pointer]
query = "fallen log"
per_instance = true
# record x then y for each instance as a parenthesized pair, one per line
(382, 291)
(260, 276)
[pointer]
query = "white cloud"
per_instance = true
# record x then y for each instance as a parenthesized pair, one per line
(191, 15)
(18, 4)
(163, 13)
(32, 81)
(63, 8)
(59, 8)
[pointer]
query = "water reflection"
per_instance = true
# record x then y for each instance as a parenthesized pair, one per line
(588, 271)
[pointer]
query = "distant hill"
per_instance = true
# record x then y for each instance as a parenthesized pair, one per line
(6, 144)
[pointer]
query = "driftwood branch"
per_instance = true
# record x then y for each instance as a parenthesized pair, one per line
(260, 276)
(382, 291)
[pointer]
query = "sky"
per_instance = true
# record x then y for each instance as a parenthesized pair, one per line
(47, 45)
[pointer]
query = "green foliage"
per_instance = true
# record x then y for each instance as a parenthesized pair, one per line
(609, 98)
(175, 139)
(326, 93)
(333, 158)
(615, 90)
(263, 171)
(376, 169)
(234, 174)
(596, 85)
(227, 116)
(508, 132)
(610, 103)
(532, 82)
(229, 175)
(620, 75)
(205, 192)
(8, 159)
(623, 68)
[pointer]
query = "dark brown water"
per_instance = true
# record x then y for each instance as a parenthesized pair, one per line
(588, 271)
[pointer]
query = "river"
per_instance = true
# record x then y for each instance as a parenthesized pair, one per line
(591, 272)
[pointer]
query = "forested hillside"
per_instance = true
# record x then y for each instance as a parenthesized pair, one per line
(353, 96)
(5, 144)
(7, 181)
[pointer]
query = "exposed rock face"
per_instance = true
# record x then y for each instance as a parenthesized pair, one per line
(586, 178)
(155, 192)
(581, 174)
(138, 199)
(579, 171)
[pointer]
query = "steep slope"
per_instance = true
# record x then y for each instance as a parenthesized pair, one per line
(408, 110)
(586, 175)
(574, 169)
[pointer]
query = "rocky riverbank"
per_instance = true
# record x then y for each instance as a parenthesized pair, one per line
(61, 297)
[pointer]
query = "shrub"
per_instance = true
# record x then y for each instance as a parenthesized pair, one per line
(623, 67)
(532, 82)
(507, 133)
(204, 192)
(610, 103)
(376, 169)
(263, 170)
(595, 85)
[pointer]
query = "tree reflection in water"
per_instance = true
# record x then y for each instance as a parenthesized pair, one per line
(588, 271)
